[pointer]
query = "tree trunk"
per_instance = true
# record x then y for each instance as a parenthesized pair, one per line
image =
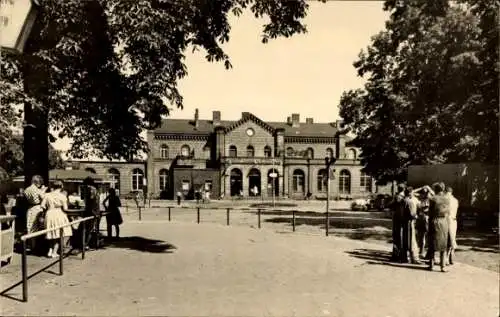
(35, 144)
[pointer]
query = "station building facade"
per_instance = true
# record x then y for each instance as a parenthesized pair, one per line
(250, 157)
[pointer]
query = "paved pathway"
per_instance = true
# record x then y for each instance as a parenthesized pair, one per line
(181, 269)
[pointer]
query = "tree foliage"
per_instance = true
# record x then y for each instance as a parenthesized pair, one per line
(105, 70)
(12, 157)
(431, 94)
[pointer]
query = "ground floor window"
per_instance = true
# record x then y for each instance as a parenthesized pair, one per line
(137, 179)
(322, 180)
(163, 175)
(345, 182)
(298, 181)
(365, 183)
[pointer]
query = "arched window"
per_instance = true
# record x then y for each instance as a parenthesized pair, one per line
(345, 182)
(351, 154)
(91, 170)
(289, 152)
(185, 150)
(298, 181)
(164, 151)
(322, 180)
(233, 152)
(250, 151)
(329, 152)
(310, 153)
(365, 182)
(137, 179)
(267, 151)
(163, 175)
(114, 178)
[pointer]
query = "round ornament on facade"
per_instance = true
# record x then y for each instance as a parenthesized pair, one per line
(250, 132)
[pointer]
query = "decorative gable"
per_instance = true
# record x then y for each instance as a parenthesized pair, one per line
(247, 116)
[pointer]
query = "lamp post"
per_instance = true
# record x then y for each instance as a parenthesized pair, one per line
(329, 161)
(17, 18)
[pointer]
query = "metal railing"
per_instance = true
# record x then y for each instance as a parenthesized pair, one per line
(24, 259)
(259, 214)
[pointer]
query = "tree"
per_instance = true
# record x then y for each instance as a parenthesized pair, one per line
(12, 157)
(101, 71)
(431, 94)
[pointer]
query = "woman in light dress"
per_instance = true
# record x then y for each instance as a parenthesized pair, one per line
(56, 203)
(452, 244)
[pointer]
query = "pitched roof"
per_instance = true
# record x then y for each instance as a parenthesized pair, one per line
(184, 126)
(62, 174)
(65, 175)
(307, 129)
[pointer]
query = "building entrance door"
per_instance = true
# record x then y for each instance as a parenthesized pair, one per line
(254, 182)
(236, 182)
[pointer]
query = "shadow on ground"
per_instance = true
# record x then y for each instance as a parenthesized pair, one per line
(141, 244)
(380, 257)
(340, 223)
(478, 241)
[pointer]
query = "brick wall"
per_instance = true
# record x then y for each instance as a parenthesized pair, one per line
(319, 149)
(125, 170)
(201, 148)
(241, 140)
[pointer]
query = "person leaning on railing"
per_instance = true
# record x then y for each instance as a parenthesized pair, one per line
(91, 198)
(55, 204)
(34, 195)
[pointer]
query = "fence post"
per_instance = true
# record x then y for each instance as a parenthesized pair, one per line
(198, 214)
(227, 215)
(25, 273)
(61, 249)
(97, 223)
(84, 225)
(169, 217)
(258, 217)
(293, 220)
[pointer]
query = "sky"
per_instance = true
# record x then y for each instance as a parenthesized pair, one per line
(304, 74)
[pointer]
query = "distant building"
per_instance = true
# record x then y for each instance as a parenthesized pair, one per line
(248, 157)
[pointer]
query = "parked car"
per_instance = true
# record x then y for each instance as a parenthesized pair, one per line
(360, 204)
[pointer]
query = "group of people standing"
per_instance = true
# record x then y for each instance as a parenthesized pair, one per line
(425, 222)
(46, 208)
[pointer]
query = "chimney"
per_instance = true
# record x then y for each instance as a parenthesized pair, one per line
(295, 120)
(196, 117)
(216, 118)
(309, 120)
(289, 120)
